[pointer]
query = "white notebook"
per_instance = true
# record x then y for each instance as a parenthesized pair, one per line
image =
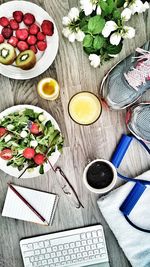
(44, 203)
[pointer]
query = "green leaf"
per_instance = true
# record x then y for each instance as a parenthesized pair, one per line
(30, 113)
(114, 49)
(98, 42)
(41, 170)
(116, 14)
(48, 124)
(120, 3)
(90, 50)
(103, 5)
(88, 40)
(96, 24)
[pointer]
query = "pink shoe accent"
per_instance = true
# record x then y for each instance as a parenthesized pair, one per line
(141, 72)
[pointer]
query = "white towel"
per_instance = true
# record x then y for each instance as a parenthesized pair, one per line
(135, 244)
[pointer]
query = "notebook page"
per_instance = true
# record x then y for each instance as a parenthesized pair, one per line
(43, 202)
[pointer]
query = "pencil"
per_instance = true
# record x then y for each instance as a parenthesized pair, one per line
(28, 204)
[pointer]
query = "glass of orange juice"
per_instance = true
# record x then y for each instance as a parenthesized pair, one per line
(84, 108)
(48, 89)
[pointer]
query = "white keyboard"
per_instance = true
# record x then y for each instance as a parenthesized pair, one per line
(78, 247)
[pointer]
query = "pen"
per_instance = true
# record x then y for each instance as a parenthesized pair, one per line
(28, 204)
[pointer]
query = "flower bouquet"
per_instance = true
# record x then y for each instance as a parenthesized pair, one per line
(101, 26)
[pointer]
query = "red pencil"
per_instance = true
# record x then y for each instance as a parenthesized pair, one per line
(28, 204)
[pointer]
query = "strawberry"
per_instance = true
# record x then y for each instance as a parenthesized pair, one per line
(18, 16)
(28, 19)
(29, 153)
(31, 40)
(6, 154)
(39, 159)
(41, 36)
(41, 45)
(13, 41)
(4, 22)
(33, 48)
(22, 34)
(2, 131)
(34, 128)
(47, 27)
(1, 39)
(22, 46)
(7, 32)
(13, 24)
(34, 29)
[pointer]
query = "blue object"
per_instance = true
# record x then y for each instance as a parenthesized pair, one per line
(133, 197)
(121, 150)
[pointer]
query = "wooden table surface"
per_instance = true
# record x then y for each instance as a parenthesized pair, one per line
(72, 70)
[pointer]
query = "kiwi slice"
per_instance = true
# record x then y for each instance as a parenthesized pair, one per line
(7, 54)
(26, 60)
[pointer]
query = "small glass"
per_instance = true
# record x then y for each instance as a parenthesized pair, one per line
(84, 108)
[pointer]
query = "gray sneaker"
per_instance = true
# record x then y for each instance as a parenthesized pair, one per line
(138, 121)
(125, 83)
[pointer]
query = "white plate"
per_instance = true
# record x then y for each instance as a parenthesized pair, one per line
(53, 158)
(44, 59)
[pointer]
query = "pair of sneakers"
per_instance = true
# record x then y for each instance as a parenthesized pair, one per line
(124, 84)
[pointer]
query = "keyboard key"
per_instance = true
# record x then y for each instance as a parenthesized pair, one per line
(89, 235)
(89, 242)
(35, 245)
(78, 244)
(49, 250)
(53, 255)
(27, 260)
(73, 256)
(50, 261)
(87, 247)
(41, 257)
(83, 236)
(72, 245)
(44, 262)
(66, 246)
(100, 245)
(46, 243)
(102, 250)
(94, 234)
(76, 250)
(67, 257)
(99, 233)
(95, 240)
(29, 253)
(60, 247)
(83, 243)
(93, 247)
(47, 256)
(58, 254)
(37, 252)
(62, 258)
(30, 246)
(56, 260)
(41, 244)
(64, 252)
(82, 249)
(70, 251)
(54, 248)
(79, 255)
(96, 252)
(43, 250)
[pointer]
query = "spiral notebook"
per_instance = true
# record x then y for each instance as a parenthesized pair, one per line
(44, 203)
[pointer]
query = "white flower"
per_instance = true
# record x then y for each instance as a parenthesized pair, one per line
(95, 60)
(109, 27)
(98, 10)
(10, 127)
(66, 21)
(145, 6)
(136, 6)
(115, 38)
(126, 14)
(66, 32)
(128, 32)
(111, 55)
(23, 134)
(73, 13)
(88, 6)
(41, 118)
(7, 138)
(33, 143)
(80, 36)
(72, 37)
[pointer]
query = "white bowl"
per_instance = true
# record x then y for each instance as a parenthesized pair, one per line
(53, 158)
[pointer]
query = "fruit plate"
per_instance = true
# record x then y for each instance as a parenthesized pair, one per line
(53, 158)
(44, 59)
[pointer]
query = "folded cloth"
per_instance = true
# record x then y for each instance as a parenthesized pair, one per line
(134, 243)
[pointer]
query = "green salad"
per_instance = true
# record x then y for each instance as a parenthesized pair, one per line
(27, 139)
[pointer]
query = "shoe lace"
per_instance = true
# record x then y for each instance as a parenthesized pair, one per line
(139, 74)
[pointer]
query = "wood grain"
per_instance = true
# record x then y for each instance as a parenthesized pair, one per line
(72, 70)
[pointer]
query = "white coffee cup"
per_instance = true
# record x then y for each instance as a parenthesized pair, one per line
(105, 189)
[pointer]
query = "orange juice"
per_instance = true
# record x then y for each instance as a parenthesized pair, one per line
(84, 108)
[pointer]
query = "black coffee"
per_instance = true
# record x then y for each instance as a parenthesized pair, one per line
(99, 175)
